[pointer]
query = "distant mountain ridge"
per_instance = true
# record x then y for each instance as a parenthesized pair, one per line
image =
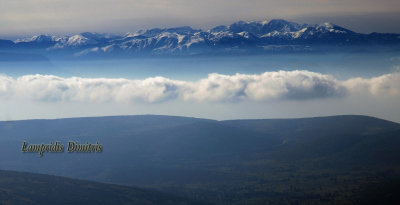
(276, 35)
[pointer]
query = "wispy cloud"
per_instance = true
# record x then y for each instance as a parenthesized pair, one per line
(388, 84)
(268, 86)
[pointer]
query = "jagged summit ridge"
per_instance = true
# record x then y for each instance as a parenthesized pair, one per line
(240, 36)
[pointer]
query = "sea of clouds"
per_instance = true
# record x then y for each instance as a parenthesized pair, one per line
(268, 86)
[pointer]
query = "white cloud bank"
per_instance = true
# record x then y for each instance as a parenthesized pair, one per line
(280, 85)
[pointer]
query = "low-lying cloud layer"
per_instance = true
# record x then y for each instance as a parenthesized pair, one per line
(280, 85)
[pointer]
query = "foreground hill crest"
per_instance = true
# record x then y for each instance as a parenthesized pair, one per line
(322, 160)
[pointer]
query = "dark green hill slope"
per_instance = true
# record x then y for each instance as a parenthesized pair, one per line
(309, 160)
(304, 128)
(29, 188)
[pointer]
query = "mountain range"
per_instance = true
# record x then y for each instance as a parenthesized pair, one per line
(240, 37)
(322, 160)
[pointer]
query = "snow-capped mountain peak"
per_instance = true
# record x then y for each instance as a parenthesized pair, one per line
(78, 40)
(39, 39)
(239, 35)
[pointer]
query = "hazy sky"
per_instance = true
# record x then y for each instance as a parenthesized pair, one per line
(24, 17)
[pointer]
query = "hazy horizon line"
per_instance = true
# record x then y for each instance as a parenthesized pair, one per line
(204, 118)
